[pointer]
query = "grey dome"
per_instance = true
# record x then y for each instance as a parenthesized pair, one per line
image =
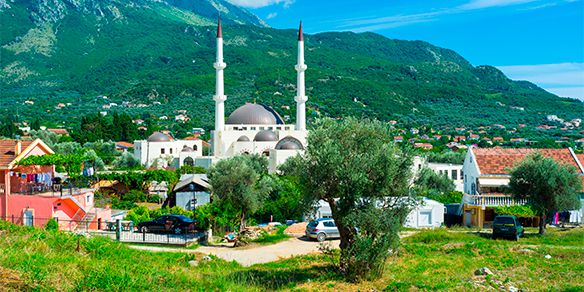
(158, 137)
(289, 143)
(187, 149)
(243, 139)
(254, 114)
(266, 135)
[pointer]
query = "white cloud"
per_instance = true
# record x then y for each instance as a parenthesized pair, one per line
(272, 15)
(564, 79)
(480, 4)
(261, 3)
(378, 23)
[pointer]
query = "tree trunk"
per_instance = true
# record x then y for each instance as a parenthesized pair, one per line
(243, 221)
(345, 236)
(542, 223)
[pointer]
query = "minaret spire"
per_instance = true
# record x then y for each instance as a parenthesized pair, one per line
(300, 87)
(219, 91)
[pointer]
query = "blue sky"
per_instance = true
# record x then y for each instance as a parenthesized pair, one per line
(537, 40)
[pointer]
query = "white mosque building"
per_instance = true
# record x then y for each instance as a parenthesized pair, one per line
(256, 128)
(160, 151)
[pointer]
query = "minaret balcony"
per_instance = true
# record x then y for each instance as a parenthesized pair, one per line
(219, 98)
(303, 98)
(301, 67)
(219, 65)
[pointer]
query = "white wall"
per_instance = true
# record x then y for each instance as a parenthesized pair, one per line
(428, 215)
(149, 152)
(448, 169)
(471, 172)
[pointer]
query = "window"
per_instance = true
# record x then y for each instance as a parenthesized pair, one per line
(88, 199)
(461, 175)
(195, 147)
(170, 150)
(454, 174)
(161, 150)
(329, 224)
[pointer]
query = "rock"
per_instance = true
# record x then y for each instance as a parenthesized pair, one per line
(483, 271)
(513, 289)
(547, 256)
(207, 258)
(193, 263)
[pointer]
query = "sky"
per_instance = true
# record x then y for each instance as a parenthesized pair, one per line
(541, 41)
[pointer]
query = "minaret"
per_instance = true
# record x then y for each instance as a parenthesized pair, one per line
(300, 90)
(219, 92)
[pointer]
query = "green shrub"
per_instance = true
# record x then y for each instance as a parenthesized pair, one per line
(52, 225)
(519, 211)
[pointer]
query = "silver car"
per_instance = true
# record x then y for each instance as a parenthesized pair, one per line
(322, 229)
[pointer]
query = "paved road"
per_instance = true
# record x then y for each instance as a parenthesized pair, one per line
(253, 255)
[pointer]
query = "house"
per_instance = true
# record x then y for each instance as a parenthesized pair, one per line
(459, 138)
(123, 146)
(425, 146)
(486, 175)
(398, 139)
(32, 195)
(191, 191)
(518, 140)
(59, 131)
(498, 139)
(161, 150)
(473, 137)
(452, 171)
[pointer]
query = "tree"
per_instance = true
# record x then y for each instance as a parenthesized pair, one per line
(127, 161)
(364, 177)
(283, 202)
(428, 181)
(547, 185)
(242, 182)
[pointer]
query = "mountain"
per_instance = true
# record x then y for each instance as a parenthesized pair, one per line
(159, 53)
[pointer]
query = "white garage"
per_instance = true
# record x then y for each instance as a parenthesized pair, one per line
(428, 214)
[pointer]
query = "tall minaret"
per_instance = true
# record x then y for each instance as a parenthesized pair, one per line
(300, 90)
(219, 92)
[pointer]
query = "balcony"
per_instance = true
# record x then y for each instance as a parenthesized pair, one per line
(491, 200)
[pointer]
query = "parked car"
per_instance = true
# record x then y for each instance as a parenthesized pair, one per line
(176, 224)
(507, 226)
(322, 229)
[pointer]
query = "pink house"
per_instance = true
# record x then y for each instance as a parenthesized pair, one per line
(31, 195)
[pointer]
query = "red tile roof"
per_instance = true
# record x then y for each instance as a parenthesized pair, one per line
(501, 160)
(124, 144)
(7, 151)
(59, 131)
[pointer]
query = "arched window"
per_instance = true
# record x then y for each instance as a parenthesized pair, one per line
(189, 161)
(195, 147)
(266, 153)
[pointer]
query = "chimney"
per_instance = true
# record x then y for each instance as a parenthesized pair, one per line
(18, 148)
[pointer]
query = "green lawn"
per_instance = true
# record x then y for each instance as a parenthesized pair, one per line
(431, 260)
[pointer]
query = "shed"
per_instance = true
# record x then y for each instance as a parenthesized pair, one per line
(191, 191)
(429, 214)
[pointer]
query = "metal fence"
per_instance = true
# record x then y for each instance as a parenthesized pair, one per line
(122, 231)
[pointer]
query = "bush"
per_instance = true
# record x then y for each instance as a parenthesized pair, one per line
(127, 161)
(52, 225)
(518, 211)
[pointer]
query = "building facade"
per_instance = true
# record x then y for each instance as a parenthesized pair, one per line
(161, 150)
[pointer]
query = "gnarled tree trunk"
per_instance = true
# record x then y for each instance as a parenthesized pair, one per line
(542, 223)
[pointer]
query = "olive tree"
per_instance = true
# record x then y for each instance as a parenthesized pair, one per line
(355, 167)
(241, 182)
(547, 185)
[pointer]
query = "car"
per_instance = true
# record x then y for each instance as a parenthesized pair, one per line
(322, 229)
(507, 226)
(176, 224)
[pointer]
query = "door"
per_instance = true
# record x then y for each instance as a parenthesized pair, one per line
(28, 218)
(425, 218)
(468, 218)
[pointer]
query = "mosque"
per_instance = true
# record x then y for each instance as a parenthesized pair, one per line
(250, 129)
(256, 128)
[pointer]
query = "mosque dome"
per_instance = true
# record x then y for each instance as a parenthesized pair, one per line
(159, 137)
(243, 139)
(187, 149)
(289, 143)
(265, 136)
(254, 114)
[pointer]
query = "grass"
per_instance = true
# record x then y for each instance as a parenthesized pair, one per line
(33, 259)
(273, 237)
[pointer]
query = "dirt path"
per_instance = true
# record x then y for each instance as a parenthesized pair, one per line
(250, 256)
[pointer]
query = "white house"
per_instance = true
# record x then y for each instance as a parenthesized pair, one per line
(486, 175)
(160, 150)
(452, 171)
